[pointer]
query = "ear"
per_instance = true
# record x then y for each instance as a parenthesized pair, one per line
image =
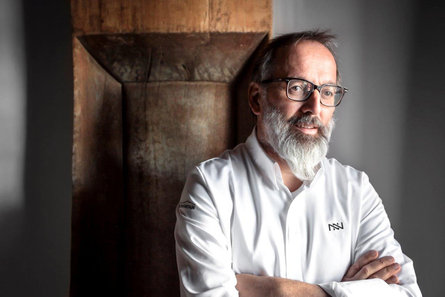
(254, 95)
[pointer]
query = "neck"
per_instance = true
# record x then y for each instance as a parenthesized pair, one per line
(289, 179)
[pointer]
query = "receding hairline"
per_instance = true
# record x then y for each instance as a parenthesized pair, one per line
(266, 59)
(289, 49)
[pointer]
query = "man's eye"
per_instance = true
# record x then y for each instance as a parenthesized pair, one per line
(328, 93)
(296, 88)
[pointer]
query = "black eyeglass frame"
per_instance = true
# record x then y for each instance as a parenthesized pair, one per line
(315, 87)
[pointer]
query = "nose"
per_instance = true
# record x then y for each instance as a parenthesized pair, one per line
(312, 104)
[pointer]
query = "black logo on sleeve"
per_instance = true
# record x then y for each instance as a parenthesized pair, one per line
(187, 204)
(335, 226)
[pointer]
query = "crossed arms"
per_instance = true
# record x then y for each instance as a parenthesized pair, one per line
(368, 266)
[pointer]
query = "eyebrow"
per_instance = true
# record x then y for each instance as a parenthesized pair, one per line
(330, 82)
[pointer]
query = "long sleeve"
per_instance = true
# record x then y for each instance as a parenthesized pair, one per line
(375, 233)
(202, 247)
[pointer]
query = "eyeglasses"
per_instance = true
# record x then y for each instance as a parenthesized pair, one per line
(299, 89)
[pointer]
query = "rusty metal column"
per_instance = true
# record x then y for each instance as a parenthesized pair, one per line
(155, 92)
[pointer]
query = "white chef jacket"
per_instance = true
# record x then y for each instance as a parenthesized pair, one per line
(237, 216)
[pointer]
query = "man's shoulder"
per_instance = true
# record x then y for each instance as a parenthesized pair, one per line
(337, 170)
(225, 162)
(214, 177)
(351, 186)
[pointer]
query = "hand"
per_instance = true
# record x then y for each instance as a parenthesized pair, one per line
(370, 265)
(249, 285)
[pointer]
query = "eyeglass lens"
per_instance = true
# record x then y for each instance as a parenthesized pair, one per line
(300, 90)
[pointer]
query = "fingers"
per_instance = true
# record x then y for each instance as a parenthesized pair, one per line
(370, 266)
(361, 261)
(379, 267)
(392, 280)
(387, 272)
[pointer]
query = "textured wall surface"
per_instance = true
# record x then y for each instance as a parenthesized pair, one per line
(178, 64)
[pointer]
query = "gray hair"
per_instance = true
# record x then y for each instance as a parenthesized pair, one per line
(264, 64)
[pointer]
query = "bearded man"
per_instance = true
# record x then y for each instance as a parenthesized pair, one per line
(274, 216)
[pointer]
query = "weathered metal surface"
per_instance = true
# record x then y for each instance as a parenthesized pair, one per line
(170, 127)
(97, 220)
(143, 16)
(173, 57)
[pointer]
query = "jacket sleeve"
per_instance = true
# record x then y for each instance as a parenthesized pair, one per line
(375, 233)
(203, 250)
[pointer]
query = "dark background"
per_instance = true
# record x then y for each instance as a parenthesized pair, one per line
(390, 125)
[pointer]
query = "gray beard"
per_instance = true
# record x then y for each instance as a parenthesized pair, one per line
(303, 153)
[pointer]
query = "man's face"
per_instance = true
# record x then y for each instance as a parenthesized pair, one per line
(313, 62)
(298, 132)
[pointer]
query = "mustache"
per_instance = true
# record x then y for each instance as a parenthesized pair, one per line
(306, 119)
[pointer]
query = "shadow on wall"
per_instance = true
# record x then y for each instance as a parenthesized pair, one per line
(423, 154)
(37, 263)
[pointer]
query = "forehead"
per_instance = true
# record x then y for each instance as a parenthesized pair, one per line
(307, 59)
